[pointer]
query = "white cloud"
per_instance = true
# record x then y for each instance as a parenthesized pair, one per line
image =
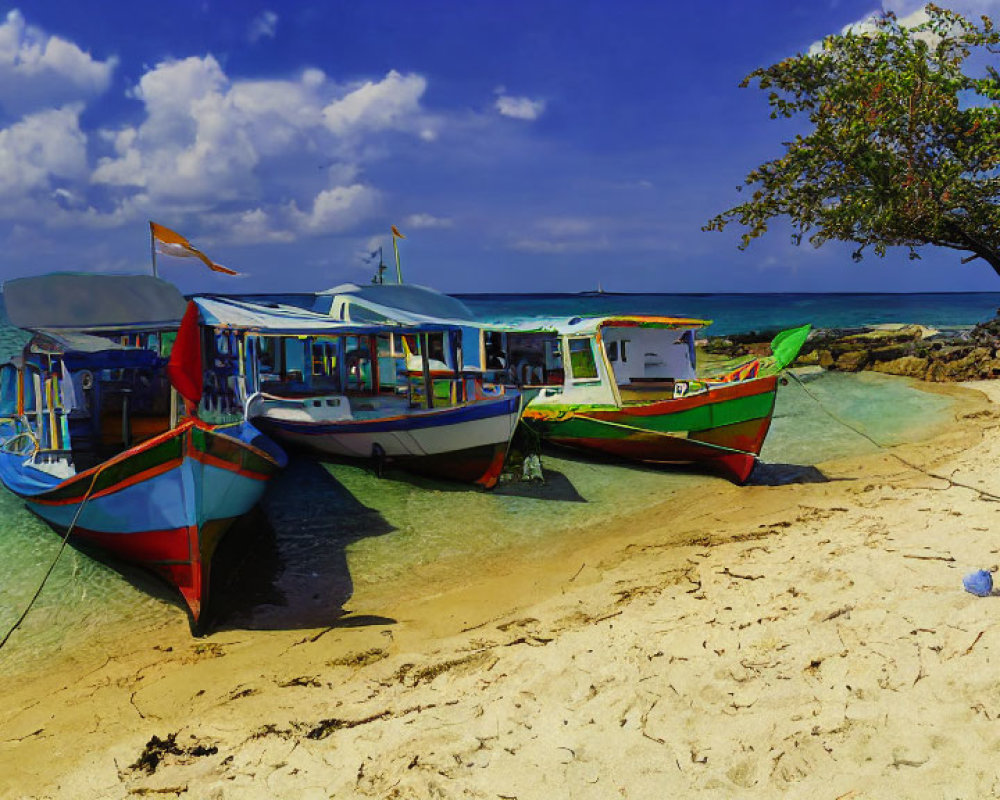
(338, 209)
(427, 221)
(207, 141)
(520, 107)
(250, 160)
(39, 71)
(253, 226)
(910, 14)
(393, 102)
(332, 211)
(263, 26)
(39, 149)
(968, 8)
(566, 226)
(555, 246)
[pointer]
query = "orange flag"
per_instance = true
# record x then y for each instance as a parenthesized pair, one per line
(396, 234)
(171, 243)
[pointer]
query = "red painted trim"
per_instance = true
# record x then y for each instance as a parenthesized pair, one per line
(491, 477)
(221, 463)
(173, 553)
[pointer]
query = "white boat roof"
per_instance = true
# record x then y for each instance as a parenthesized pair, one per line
(588, 326)
(280, 319)
(399, 302)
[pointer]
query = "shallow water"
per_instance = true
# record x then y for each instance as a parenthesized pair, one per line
(338, 528)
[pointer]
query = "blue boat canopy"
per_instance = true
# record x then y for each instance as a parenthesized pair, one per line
(83, 351)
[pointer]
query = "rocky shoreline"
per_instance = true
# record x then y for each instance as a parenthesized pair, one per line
(914, 351)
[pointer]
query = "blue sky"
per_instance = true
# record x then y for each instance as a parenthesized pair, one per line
(519, 146)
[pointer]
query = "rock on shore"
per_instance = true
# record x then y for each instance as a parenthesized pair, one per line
(914, 351)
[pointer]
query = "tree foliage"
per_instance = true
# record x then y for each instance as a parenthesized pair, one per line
(904, 147)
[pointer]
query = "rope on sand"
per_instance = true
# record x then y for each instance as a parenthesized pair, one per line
(891, 451)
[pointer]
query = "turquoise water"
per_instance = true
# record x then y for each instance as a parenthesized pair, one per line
(741, 313)
(735, 313)
(352, 530)
(378, 530)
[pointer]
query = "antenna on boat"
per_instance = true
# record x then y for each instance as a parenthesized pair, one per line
(379, 276)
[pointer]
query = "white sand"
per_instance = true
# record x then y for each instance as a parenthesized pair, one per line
(809, 640)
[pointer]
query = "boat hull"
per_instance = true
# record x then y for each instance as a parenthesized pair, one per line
(163, 505)
(722, 429)
(466, 443)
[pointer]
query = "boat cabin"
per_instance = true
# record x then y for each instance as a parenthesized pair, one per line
(597, 361)
(330, 369)
(91, 381)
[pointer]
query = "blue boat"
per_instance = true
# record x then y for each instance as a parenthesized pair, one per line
(95, 441)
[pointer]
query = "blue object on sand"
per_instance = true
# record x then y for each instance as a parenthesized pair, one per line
(979, 583)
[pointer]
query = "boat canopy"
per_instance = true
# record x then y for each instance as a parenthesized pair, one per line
(277, 319)
(83, 351)
(400, 302)
(84, 301)
(588, 326)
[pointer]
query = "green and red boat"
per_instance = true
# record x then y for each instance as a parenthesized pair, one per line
(627, 386)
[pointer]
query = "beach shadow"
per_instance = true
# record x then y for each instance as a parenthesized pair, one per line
(555, 486)
(783, 474)
(284, 565)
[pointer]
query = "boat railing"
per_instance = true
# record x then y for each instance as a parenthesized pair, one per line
(23, 443)
(452, 390)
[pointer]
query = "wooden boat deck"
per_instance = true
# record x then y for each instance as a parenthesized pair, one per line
(646, 391)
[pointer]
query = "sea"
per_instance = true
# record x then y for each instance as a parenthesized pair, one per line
(745, 313)
(326, 530)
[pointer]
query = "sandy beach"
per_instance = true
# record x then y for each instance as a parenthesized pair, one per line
(807, 639)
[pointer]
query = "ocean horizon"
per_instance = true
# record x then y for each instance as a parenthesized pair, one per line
(729, 312)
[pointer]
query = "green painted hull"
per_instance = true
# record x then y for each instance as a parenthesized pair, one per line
(722, 429)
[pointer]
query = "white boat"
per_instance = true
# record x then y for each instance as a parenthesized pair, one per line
(391, 388)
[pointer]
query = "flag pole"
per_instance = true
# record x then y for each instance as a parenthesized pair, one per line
(395, 249)
(152, 248)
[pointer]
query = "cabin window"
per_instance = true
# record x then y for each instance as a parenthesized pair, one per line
(324, 359)
(358, 363)
(390, 361)
(266, 353)
(167, 343)
(624, 354)
(411, 344)
(496, 357)
(612, 350)
(582, 363)
(554, 360)
(435, 348)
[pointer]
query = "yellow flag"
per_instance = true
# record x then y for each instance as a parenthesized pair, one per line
(171, 243)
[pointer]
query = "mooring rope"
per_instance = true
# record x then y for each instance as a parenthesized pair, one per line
(886, 449)
(55, 560)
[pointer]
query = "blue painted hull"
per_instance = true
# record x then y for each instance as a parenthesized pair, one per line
(164, 504)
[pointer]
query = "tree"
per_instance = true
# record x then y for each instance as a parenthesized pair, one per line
(904, 148)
